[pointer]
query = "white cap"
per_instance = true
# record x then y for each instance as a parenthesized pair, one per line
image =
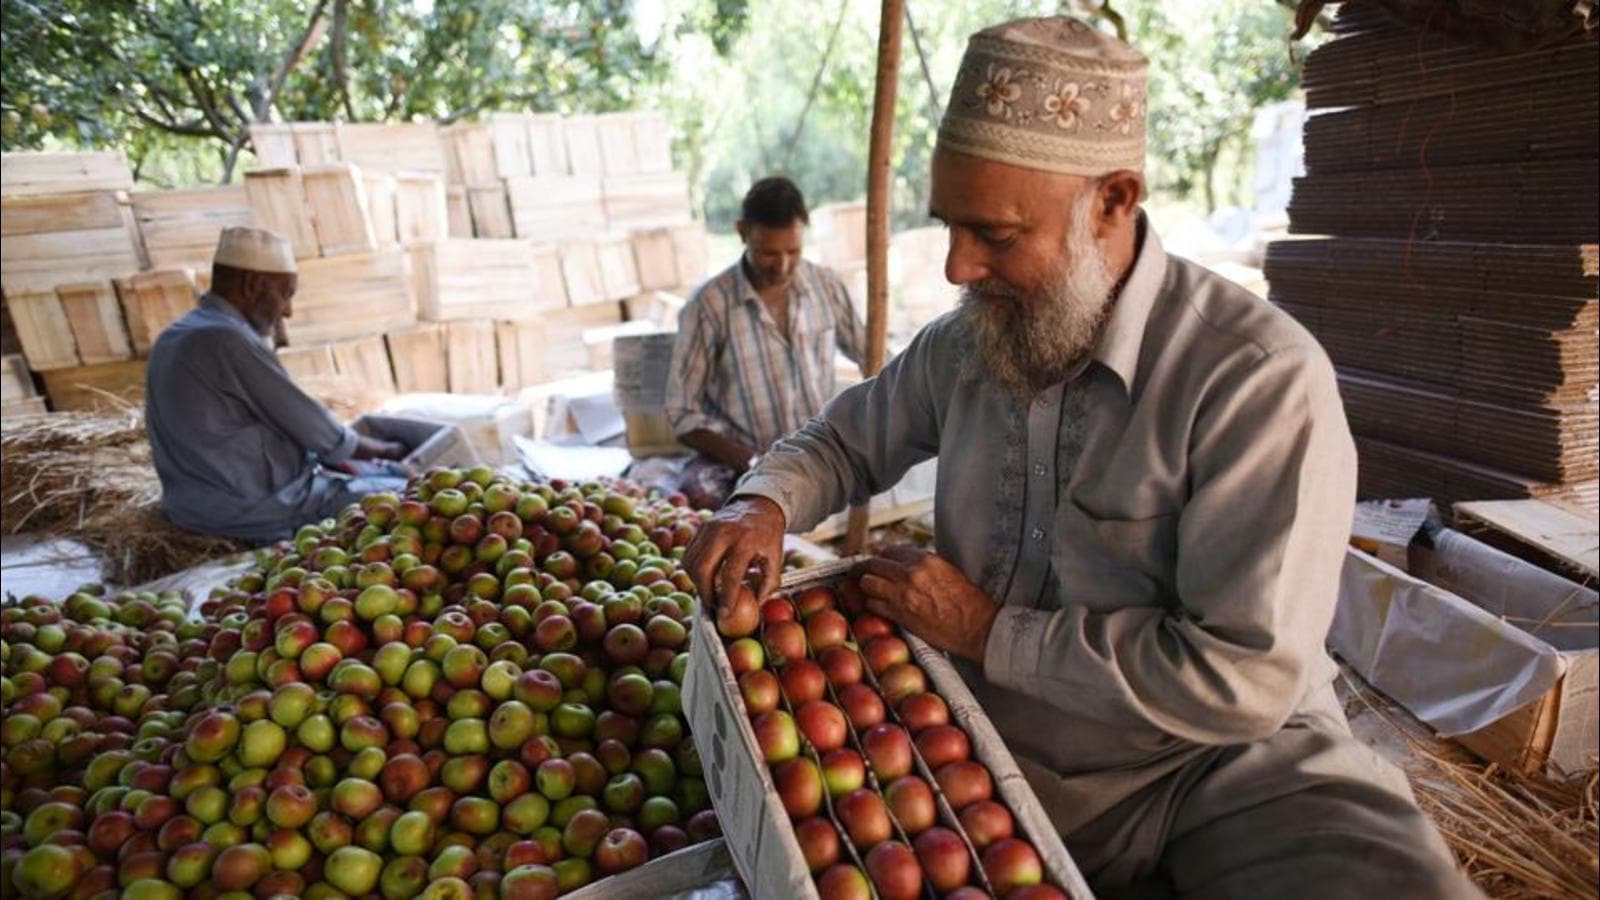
(254, 249)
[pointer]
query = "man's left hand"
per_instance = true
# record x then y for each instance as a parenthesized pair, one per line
(931, 598)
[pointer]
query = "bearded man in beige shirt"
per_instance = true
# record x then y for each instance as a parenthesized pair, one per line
(1145, 488)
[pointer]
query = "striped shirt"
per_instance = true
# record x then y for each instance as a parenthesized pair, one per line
(733, 371)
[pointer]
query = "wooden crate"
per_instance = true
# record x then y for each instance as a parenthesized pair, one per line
(839, 233)
(547, 144)
(652, 143)
(180, 228)
(486, 279)
(16, 382)
(314, 143)
(315, 361)
(508, 135)
(645, 201)
(472, 148)
(473, 362)
(27, 406)
(565, 351)
(392, 147)
(365, 360)
(690, 247)
(96, 320)
(555, 207)
(48, 213)
(580, 269)
(491, 216)
(153, 300)
(337, 198)
(617, 151)
(25, 174)
(458, 211)
(42, 329)
(522, 348)
(582, 135)
(103, 386)
(380, 189)
(278, 200)
(274, 146)
(619, 276)
(655, 259)
(419, 358)
(421, 213)
(52, 240)
(351, 296)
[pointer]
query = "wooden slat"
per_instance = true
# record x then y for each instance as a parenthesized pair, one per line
(351, 296)
(365, 360)
(278, 200)
(1558, 531)
(486, 279)
(491, 217)
(521, 347)
(472, 146)
(380, 190)
(473, 361)
(27, 406)
(508, 134)
(619, 276)
(617, 153)
(556, 207)
(418, 357)
(274, 146)
(652, 143)
(96, 321)
(580, 269)
(42, 328)
(459, 212)
(547, 144)
(336, 196)
(39, 262)
(314, 143)
(96, 387)
(689, 245)
(315, 361)
(59, 212)
(655, 259)
(180, 228)
(392, 146)
(23, 174)
(16, 383)
(644, 201)
(565, 351)
(840, 233)
(420, 210)
(153, 300)
(583, 146)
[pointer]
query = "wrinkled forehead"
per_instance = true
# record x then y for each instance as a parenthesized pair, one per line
(973, 191)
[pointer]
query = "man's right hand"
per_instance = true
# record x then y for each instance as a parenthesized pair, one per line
(748, 529)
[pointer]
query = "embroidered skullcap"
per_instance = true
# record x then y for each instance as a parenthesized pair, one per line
(254, 249)
(1051, 94)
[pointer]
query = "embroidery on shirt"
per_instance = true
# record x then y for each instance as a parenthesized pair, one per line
(1004, 540)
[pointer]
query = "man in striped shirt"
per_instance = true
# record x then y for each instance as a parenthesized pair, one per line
(754, 358)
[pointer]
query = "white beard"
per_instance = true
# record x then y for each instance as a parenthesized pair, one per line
(1027, 343)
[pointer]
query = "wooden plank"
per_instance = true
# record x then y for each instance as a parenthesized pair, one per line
(547, 144)
(96, 320)
(314, 143)
(564, 349)
(491, 216)
(43, 330)
(1554, 529)
(690, 246)
(180, 228)
(153, 300)
(421, 213)
(365, 360)
(39, 262)
(273, 145)
(473, 362)
(315, 361)
(582, 136)
(351, 296)
(59, 212)
(336, 196)
(27, 406)
(555, 207)
(380, 189)
(580, 269)
(619, 276)
(392, 146)
(486, 279)
(24, 174)
(418, 357)
(522, 351)
(644, 201)
(617, 153)
(840, 233)
(472, 147)
(104, 386)
(459, 212)
(508, 134)
(655, 259)
(278, 200)
(16, 382)
(652, 143)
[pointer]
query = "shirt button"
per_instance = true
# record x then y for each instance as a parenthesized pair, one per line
(1038, 534)
(1038, 468)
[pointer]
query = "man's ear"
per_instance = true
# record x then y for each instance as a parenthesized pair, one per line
(1119, 196)
(744, 231)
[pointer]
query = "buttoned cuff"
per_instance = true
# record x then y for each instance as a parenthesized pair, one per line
(1016, 643)
(344, 449)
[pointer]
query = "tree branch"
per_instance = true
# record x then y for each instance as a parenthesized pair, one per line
(816, 84)
(340, 76)
(934, 106)
(315, 28)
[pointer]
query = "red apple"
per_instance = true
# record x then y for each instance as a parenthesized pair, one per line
(843, 771)
(942, 744)
(803, 681)
(776, 736)
(842, 666)
(864, 817)
(900, 681)
(964, 783)
(760, 691)
(745, 655)
(843, 881)
(739, 617)
(911, 802)
(823, 725)
(785, 642)
(867, 626)
(894, 871)
(799, 787)
(986, 822)
(884, 652)
(827, 628)
(1039, 891)
(621, 849)
(888, 750)
(944, 858)
(777, 609)
(819, 842)
(813, 600)
(920, 711)
(1012, 862)
(862, 706)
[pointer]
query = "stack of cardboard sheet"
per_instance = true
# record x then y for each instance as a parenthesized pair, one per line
(1452, 278)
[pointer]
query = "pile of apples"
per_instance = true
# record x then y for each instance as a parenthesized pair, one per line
(469, 690)
(880, 786)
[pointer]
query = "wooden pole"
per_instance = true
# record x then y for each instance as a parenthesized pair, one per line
(878, 186)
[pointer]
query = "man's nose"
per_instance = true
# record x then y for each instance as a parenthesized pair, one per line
(965, 262)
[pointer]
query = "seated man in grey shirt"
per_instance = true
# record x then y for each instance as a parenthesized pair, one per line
(239, 447)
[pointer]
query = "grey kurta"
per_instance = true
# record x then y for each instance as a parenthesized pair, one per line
(1163, 531)
(235, 441)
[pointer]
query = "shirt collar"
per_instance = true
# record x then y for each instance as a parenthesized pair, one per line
(220, 305)
(1130, 312)
(746, 289)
